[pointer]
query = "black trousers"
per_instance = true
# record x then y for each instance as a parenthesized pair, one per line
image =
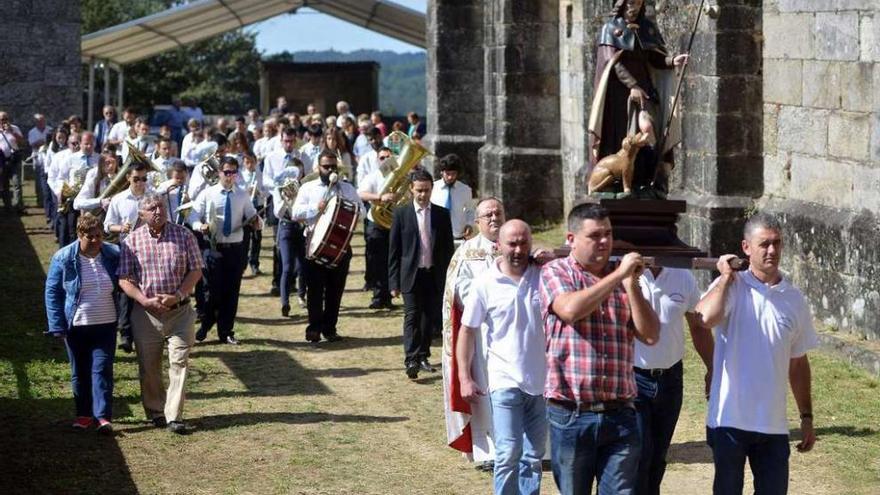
(65, 226)
(421, 310)
(377, 261)
(325, 287)
(253, 241)
(224, 285)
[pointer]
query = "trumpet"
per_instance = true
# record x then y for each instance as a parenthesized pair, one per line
(210, 169)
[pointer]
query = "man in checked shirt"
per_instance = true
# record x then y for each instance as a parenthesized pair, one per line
(591, 315)
(159, 266)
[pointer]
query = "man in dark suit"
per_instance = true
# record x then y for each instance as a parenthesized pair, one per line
(419, 251)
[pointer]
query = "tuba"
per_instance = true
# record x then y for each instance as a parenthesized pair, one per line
(70, 190)
(288, 188)
(397, 182)
(120, 180)
(208, 162)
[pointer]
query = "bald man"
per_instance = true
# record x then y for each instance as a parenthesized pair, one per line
(506, 299)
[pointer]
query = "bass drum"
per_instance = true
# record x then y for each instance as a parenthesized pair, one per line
(329, 240)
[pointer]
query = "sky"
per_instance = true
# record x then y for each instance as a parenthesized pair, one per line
(312, 30)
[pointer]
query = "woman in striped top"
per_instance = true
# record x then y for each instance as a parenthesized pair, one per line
(80, 307)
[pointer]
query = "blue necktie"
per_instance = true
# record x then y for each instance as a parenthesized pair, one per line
(227, 214)
(449, 197)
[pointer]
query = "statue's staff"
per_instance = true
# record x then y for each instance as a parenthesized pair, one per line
(662, 142)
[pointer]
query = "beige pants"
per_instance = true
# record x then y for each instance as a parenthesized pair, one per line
(149, 332)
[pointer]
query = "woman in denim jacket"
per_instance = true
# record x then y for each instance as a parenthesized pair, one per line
(80, 307)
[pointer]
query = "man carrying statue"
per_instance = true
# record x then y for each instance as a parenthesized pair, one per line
(633, 92)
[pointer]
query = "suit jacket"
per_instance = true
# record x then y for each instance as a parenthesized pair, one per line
(404, 247)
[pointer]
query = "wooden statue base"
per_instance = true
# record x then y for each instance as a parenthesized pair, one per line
(647, 226)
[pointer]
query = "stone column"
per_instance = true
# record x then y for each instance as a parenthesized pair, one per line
(520, 162)
(719, 169)
(579, 23)
(456, 106)
(47, 77)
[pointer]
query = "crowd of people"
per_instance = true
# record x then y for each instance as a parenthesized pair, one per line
(582, 354)
(147, 224)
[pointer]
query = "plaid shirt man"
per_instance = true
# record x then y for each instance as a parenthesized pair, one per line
(158, 265)
(591, 361)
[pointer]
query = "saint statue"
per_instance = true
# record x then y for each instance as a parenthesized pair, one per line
(633, 92)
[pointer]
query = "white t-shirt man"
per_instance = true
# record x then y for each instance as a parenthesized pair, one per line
(763, 328)
(672, 294)
(514, 333)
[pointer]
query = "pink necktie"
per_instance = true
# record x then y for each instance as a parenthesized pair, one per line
(425, 239)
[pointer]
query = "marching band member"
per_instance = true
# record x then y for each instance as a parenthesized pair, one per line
(97, 180)
(290, 241)
(57, 147)
(252, 182)
(122, 217)
(325, 285)
(309, 152)
(454, 195)
(197, 182)
(472, 258)
(261, 145)
(226, 260)
(274, 163)
(174, 190)
(73, 174)
(190, 143)
(369, 189)
(121, 130)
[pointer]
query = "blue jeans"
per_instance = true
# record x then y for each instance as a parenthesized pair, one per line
(292, 251)
(767, 454)
(587, 445)
(657, 406)
(520, 434)
(91, 350)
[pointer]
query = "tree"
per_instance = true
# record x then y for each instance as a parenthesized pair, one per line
(221, 73)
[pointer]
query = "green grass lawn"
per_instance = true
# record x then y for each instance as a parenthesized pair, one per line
(276, 415)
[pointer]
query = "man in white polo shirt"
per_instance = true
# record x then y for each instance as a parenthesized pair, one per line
(673, 293)
(506, 298)
(763, 332)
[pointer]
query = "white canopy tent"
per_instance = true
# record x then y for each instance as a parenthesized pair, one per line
(148, 36)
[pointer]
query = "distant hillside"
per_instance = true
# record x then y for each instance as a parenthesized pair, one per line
(401, 76)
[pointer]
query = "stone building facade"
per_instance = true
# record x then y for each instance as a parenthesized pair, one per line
(821, 140)
(780, 113)
(45, 73)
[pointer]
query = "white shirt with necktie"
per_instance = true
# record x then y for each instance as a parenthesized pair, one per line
(423, 218)
(174, 197)
(457, 199)
(310, 153)
(274, 163)
(372, 183)
(214, 198)
(68, 167)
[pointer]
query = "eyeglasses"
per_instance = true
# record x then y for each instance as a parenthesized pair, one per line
(138, 179)
(73, 142)
(383, 158)
(229, 173)
(496, 214)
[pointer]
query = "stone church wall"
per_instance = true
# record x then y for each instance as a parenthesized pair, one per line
(42, 72)
(821, 143)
